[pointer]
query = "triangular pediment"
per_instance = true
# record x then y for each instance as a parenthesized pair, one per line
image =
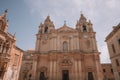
(65, 29)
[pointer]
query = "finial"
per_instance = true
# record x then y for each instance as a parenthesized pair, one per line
(64, 22)
(48, 19)
(3, 16)
(89, 21)
(82, 18)
(6, 11)
(14, 35)
(40, 24)
(81, 12)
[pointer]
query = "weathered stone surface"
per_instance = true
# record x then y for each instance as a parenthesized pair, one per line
(10, 54)
(113, 43)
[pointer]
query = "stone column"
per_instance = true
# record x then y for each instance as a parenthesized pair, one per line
(54, 70)
(69, 44)
(94, 44)
(77, 43)
(71, 41)
(80, 70)
(75, 74)
(58, 44)
(55, 44)
(50, 77)
(50, 45)
(34, 68)
(38, 44)
(77, 70)
(99, 69)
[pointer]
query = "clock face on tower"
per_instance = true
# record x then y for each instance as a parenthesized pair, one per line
(85, 36)
(45, 37)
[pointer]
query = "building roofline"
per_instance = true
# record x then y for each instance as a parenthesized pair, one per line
(19, 48)
(115, 29)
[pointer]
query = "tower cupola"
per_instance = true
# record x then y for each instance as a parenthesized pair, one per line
(82, 19)
(83, 25)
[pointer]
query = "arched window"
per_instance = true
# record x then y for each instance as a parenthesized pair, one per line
(1, 24)
(46, 29)
(2, 69)
(1, 45)
(65, 46)
(30, 76)
(84, 29)
(5, 47)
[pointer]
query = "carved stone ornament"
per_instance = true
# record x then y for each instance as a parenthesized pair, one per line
(43, 69)
(65, 61)
(44, 42)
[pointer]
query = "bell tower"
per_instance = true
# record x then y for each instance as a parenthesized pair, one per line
(46, 27)
(3, 22)
(44, 30)
(83, 25)
(86, 34)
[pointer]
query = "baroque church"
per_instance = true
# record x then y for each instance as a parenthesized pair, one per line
(63, 54)
(10, 54)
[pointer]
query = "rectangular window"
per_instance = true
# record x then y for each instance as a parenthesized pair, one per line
(119, 41)
(16, 59)
(1, 73)
(119, 73)
(117, 62)
(0, 48)
(113, 48)
(2, 69)
(104, 70)
(112, 71)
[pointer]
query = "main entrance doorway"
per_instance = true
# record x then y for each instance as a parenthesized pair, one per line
(42, 76)
(90, 76)
(65, 75)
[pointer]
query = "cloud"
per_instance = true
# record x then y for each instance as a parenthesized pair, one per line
(104, 56)
(111, 3)
(103, 13)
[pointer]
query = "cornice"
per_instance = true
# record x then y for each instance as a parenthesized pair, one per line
(111, 34)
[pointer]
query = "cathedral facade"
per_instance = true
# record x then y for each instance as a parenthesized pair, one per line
(63, 54)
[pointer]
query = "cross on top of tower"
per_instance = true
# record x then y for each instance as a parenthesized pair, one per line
(64, 22)
(81, 12)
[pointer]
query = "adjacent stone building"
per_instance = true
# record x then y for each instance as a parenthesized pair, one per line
(113, 43)
(10, 54)
(108, 71)
(63, 54)
(27, 66)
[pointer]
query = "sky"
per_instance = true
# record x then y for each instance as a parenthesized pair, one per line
(26, 15)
